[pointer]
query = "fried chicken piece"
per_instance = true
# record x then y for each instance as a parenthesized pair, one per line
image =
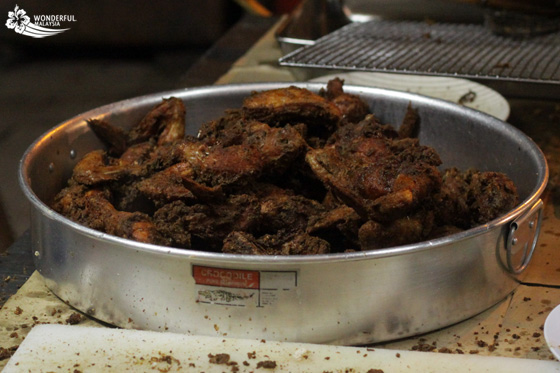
(93, 209)
(204, 170)
(471, 198)
(294, 105)
(70, 202)
(173, 221)
(238, 242)
(127, 197)
(115, 138)
(269, 211)
(263, 150)
(494, 194)
(229, 129)
(133, 225)
(339, 225)
(136, 154)
(98, 167)
(164, 124)
(282, 211)
(166, 155)
(303, 244)
(167, 185)
(279, 147)
(416, 177)
(409, 229)
(217, 166)
(380, 177)
(207, 225)
(352, 107)
(352, 136)
(453, 207)
(298, 179)
(409, 125)
(223, 166)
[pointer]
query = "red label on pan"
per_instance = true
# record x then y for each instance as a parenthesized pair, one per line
(231, 278)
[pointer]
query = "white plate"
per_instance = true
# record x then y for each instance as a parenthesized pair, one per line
(449, 89)
(552, 331)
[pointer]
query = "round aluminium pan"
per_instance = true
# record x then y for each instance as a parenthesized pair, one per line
(349, 298)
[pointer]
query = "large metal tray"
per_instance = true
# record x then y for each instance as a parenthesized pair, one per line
(351, 298)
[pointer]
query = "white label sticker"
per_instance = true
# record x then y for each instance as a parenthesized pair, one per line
(240, 287)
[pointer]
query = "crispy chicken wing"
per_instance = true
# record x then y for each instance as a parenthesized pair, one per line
(352, 107)
(163, 124)
(98, 167)
(92, 208)
(115, 138)
(409, 125)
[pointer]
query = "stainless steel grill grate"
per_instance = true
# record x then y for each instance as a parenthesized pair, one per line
(464, 50)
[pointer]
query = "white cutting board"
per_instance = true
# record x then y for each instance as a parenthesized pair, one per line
(63, 348)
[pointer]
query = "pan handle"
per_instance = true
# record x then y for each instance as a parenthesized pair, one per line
(522, 238)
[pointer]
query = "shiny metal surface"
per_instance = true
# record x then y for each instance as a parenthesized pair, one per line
(457, 50)
(522, 239)
(351, 298)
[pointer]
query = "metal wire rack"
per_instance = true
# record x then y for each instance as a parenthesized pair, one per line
(460, 50)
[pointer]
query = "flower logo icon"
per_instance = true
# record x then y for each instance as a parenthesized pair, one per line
(17, 20)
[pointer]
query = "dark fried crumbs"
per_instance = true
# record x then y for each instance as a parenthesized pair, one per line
(74, 319)
(6, 353)
(266, 364)
(219, 358)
